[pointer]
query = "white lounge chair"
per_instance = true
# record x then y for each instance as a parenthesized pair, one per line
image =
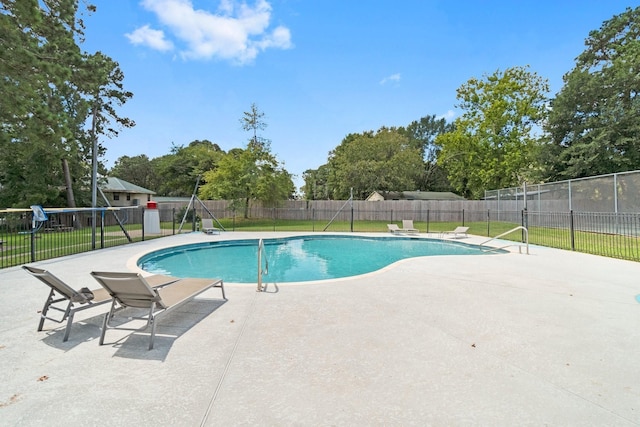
(393, 228)
(458, 231)
(208, 228)
(407, 226)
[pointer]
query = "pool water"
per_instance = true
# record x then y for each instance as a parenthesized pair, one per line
(296, 259)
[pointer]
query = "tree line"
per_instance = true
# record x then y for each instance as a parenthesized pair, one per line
(240, 175)
(510, 130)
(57, 101)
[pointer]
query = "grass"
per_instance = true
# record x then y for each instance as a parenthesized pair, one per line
(611, 245)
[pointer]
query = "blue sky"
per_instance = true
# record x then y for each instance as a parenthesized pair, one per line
(319, 69)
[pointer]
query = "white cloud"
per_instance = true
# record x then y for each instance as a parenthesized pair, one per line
(449, 115)
(148, 37)
(391, 78)
(236, 32)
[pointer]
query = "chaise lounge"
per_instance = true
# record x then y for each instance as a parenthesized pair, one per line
(393, 228)
(407, 226)
(131, 290)
(458, 231)
(63, 298)
(208, 228)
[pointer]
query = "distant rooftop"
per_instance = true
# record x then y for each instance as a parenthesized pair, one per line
(414, 195)
(117, 185)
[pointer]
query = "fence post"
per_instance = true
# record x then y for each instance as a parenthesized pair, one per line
(352, 216)
(173, 221)
(488, 223)
(101, 229)
(463, 217)
(313, 219)
(572, 231)
(33, 243)
(428, 210)
(142, 223)
(273, 210)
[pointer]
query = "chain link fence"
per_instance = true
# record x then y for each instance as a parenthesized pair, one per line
(613, 193)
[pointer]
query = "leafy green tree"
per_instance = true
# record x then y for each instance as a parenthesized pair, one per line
(316, 183)
(37, 55)
(422, 133)
(137, 170)
(384, 161)
(247, 174)
(177, 173)
(253, 173)
(48, 95)
(594, 123)
(495, 143)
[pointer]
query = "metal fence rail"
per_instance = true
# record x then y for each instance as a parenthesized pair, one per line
(68, 232)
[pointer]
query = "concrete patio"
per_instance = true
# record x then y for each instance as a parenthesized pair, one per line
(550, 338)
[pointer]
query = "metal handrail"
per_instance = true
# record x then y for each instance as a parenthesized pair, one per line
(261, 251)
(520, 227)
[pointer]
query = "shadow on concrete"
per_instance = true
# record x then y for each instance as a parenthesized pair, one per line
(134, 345)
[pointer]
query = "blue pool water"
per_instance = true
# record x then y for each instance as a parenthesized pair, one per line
(295, 259)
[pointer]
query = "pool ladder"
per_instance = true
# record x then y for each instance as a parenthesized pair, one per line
(262, 252)
(526, 239)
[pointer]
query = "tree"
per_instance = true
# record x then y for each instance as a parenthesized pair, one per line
(594, 123)
(103, 87)
(316, 183)
(495, 142)
(48, 95)
(37, 57)
(137, 170)
(249, 174)
(253, 121)
(181, 168)
(422, 133)
(384, 161)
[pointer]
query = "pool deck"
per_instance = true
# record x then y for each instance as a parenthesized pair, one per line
(550, 338)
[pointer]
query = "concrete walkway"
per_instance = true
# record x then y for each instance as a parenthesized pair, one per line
(552, 338)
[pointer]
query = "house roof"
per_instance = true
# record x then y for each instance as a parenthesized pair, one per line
(117, 185)
(417, 195)
(162, 199)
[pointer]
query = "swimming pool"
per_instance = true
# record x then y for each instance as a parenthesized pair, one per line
(295, 259)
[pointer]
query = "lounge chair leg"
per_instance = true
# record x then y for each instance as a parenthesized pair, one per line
(222, 288)
(67, 330)
(105, 323)
(153, 333)
(104, 329)
(45, 309)
(68, 314)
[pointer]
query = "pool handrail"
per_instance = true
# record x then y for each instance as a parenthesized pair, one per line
(520, 227)
(261, 251)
